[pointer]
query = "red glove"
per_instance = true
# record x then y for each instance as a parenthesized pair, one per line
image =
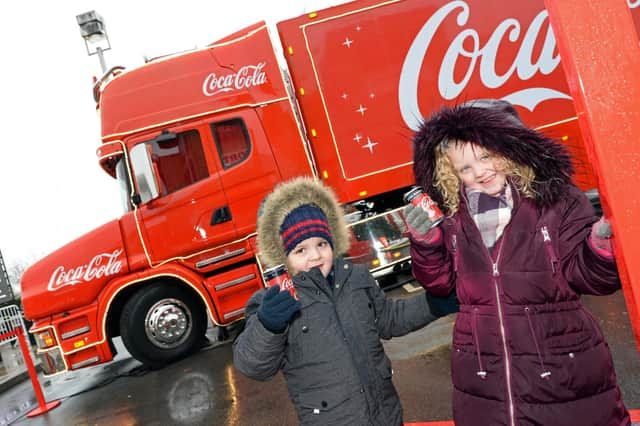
(600, 238)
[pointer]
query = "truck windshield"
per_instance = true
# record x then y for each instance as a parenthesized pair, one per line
(123, 183)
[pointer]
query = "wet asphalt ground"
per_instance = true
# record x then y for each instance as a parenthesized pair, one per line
(205, 389)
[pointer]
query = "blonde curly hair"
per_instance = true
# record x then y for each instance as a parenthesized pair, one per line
(447, 182)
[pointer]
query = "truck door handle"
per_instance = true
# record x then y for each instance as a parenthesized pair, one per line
(220, 215)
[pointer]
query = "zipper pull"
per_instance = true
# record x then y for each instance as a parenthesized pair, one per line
(545, 234)
(495, 269)
(546, 239)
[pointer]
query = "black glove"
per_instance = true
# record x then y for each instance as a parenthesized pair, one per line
(443, 305)
(277, 309)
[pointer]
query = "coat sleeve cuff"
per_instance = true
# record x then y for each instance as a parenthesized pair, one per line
(600, 251)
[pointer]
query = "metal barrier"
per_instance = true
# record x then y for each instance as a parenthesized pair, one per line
(12, 328)
(10, 319)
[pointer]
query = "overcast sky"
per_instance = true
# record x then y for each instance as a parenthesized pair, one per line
(53, 189)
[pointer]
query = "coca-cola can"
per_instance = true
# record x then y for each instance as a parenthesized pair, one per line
(278, 275)
(419, 198)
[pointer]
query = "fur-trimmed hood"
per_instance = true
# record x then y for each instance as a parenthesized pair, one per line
(286, 197)
(496, 126)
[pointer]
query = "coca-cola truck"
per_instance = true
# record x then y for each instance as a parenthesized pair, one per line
(196, 140)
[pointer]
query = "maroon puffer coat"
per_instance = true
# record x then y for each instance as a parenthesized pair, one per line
(525, 350)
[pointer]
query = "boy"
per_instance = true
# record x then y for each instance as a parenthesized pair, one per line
(327, 343)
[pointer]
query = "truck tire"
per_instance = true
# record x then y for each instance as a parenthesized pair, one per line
(162, 323)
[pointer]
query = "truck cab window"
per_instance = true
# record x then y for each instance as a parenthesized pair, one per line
(143, 172)
(232, 141)
(162, 167)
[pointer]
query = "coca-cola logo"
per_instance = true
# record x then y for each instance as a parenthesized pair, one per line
(427, 205)
(102, 265)
(480, 57)
(246, 77)
(633, 3)
(286, 284)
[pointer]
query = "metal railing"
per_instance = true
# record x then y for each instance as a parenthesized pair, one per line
(10, 319)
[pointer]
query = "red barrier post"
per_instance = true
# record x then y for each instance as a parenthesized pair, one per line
(43, 406)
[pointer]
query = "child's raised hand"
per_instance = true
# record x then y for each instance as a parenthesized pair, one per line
(600, 238)
(277, 309)
(420, 226)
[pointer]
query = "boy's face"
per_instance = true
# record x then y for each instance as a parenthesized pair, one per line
(310, 253)
(477, 168)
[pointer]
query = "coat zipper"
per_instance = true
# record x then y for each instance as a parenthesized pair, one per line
(507, 362)
(496, 274)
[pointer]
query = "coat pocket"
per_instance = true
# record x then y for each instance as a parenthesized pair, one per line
(335, 405)
(568, 343)
(322, 399)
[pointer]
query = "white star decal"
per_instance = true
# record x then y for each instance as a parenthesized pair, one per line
(344, 96)
(369, 145)
(357, 137)
(361, 110)
(347, 42)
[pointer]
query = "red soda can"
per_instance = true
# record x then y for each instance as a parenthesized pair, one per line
(278, 275)
(419, 198)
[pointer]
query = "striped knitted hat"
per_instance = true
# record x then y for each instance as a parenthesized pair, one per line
(304, 222)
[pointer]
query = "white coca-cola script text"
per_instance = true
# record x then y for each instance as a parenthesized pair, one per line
(245, 77)
(525, 65)
(102, 265)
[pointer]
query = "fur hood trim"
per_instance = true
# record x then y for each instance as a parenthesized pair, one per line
(496, 126)
(286, 197)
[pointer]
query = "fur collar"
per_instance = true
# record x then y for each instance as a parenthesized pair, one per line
(496, 126)
(286, 197)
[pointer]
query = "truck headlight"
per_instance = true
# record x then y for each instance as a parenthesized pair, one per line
(45, 339)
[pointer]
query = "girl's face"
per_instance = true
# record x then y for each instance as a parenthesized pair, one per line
(477, 168)
(310, 253)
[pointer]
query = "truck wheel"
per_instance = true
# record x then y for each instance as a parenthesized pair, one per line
(161, 324)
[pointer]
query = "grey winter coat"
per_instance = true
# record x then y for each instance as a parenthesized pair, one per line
(331, 355)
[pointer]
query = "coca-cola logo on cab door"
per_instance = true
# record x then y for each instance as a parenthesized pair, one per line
(246, 77)
(102, 265)
(480, 59)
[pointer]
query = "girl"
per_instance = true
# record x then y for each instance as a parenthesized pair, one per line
(520, 244)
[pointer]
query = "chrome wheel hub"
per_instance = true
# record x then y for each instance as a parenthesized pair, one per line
(168, 323)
